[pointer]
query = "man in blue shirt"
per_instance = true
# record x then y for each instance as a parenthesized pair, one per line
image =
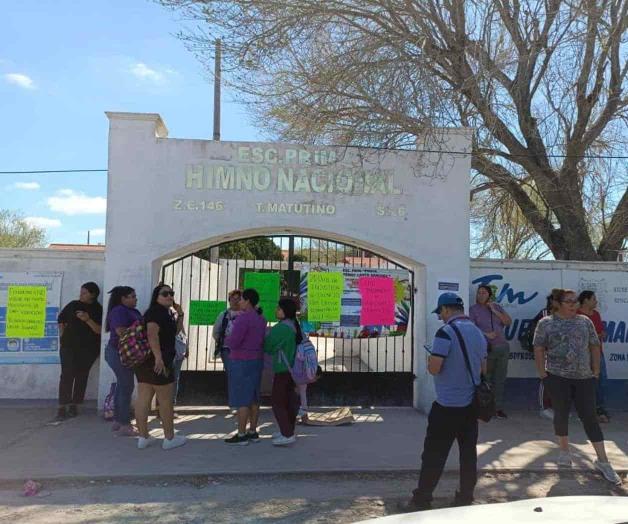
(452, 416)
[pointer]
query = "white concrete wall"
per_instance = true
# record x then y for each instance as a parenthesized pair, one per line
(152, 215)
(41, 381)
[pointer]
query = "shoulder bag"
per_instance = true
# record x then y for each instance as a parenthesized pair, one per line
(483, 396)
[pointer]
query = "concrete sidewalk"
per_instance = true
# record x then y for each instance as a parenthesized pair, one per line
(382, 439)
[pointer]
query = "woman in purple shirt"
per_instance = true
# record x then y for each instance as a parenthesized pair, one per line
(491, 318)
(121, 313)
(246, 360)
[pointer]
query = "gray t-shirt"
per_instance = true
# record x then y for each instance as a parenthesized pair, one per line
(567, 343)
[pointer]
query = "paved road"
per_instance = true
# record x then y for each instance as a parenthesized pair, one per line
(314, 498)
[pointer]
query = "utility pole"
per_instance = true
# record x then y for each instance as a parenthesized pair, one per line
(217, 72)
(88, 237)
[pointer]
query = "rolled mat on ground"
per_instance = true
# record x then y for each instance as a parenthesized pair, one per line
(336, 417)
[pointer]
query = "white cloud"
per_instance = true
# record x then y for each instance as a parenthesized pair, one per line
(154, 75)
(43, 222)
(28, 186)
(20, 80)
(99, 232)
(70, 202)
(144, 72)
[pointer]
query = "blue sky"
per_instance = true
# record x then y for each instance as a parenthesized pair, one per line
(62, 64)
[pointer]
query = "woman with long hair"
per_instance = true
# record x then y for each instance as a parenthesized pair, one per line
(282, 343)
(156, 375)
(121, 313)
(567, 357)
(246, 361)
(79, 326)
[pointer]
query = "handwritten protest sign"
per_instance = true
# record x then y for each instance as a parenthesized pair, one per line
(267, 285)
(26, 311)
(378, 301)
(205, 312)
(324, 292)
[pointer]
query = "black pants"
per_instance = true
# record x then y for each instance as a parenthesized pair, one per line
(444, 426)
(582, 391)
(75, 366)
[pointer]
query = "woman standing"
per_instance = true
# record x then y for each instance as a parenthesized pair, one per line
(246, 360)
(567, 355)
(281, 343)
(79, 326)
(588, 305)
(155, 376)
(491, 319)
(121, 313)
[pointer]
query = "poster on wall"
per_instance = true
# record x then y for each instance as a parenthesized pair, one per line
(29, 306)
(359, 302)
(522, 293)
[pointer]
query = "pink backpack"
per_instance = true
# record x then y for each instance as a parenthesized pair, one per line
(133, 347)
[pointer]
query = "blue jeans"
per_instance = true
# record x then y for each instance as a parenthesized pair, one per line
(601, 384)
(176, 366)
(124, 390)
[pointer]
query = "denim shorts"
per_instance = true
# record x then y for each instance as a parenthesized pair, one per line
(244, 380)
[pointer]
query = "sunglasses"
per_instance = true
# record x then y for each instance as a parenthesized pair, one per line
(167, 293)
(570, 301)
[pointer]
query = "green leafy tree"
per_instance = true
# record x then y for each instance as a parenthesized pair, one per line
(16, 232)
(258, 248)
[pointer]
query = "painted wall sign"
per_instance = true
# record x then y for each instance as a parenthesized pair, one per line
(522, 293)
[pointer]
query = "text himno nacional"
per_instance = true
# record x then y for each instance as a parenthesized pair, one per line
(262, 169)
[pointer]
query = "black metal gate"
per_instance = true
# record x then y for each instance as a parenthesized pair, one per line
(357, 370)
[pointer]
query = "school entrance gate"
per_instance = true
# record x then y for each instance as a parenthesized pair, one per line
(362, 365)
(168, 199)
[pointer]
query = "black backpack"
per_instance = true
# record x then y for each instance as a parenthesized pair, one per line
(223, 331)
(526, 339)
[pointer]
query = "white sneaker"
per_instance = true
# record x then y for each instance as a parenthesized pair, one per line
(143, 443)
(174, 442)
(284, 441)
(607, 472)
(547, 413)
(564, 459)
(276, 435)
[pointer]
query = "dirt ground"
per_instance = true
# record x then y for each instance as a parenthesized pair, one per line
(323, 498)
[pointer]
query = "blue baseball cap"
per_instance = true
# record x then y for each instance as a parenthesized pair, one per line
(448, 299)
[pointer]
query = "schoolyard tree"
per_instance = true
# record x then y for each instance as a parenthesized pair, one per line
(543, 83)
(258, 248)
(16, 232)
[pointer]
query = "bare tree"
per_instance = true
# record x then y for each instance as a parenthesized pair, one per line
(542, 81)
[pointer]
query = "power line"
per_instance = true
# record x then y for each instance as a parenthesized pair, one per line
(44, 171)
(436, 151)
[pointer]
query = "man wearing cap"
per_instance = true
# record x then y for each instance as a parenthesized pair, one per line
(452, 416)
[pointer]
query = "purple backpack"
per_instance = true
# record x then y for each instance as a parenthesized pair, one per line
(305, 365)
(109, 403)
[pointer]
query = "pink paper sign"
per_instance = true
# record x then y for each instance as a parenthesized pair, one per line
(378, 301)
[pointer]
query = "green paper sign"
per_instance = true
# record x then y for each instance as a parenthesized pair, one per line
(205, 312)
(268, 287)
(324, 294)
(26, 311)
